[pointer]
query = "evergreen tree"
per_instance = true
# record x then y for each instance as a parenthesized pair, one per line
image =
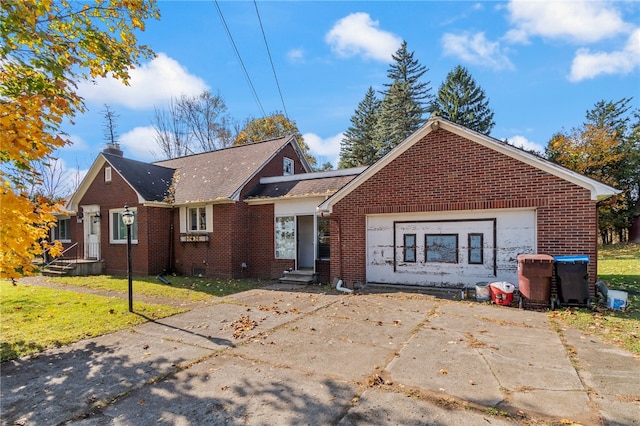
(462, 101)
(359, 145)
(405, 101)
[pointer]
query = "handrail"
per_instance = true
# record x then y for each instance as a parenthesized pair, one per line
(74, 245)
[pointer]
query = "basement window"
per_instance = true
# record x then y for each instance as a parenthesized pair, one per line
(409, 247)
(442, 248)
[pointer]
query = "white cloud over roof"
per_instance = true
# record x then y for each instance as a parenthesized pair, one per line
(587, 64)
(139, 143)
(357, 34)
(150, 84)
(476, 49)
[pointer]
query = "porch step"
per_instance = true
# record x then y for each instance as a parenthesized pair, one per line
(298, 277)
(59, 268)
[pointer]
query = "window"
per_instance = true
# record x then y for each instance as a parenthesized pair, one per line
(118, 234)
(62, 230)
(107, 174)
(285, 237)
(476, 243)
(287, 167)
(441, 248)
(409, 247)
(324, 238)
(197, 219)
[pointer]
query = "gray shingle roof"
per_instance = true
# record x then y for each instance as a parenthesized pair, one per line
(149, 180)
(300, 188)
(221, 174)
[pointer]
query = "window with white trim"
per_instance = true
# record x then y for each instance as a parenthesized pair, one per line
(287, 167)
(285, 237)
(62, 230)
(118, 230)
(107, 174)
(197, 219)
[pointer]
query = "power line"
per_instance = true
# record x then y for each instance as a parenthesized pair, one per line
(235, 48)
(273, 68)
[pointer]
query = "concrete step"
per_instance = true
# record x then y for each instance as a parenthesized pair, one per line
(298, 277)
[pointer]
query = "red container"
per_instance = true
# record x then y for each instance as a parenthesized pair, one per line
(502, 293)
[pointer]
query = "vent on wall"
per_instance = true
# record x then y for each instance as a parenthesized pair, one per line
(198, 271)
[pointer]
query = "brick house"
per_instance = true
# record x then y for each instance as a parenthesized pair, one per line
(447, 207)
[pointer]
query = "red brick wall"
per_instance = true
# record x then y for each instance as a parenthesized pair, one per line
(151, 253)
(445, 172)
(241, 233)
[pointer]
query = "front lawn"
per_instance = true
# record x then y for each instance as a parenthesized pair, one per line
(619, 268)
(36, 318)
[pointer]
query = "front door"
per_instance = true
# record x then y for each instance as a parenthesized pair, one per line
(306, 242)
(92, 235)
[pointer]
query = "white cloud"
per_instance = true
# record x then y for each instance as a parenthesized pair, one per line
(358, 34)
(139, 143)
(576, 20)
(476, 49)
(324, 149)
(524, 143)
(588, 65)
(295, 55)
(151, 84)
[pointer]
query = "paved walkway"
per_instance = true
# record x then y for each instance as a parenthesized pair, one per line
(291, 356)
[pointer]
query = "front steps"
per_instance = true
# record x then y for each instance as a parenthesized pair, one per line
(298, 277)
(59, 268)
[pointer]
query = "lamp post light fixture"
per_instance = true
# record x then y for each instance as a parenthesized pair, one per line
(128, 218)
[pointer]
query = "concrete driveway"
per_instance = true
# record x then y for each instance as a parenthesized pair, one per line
(287, 355)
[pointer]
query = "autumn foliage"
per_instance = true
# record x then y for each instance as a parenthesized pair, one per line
(46, 48)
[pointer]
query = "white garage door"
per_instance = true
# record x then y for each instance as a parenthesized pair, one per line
(448, 249)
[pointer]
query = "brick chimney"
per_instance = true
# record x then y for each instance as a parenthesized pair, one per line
(113, 149)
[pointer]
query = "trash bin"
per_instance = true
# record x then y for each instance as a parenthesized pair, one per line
(572, 279)
(534, 278)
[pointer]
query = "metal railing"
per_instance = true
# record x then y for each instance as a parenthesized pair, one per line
(62, 256)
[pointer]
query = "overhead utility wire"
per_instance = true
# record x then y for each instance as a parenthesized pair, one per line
(235, 48)
(273, 68)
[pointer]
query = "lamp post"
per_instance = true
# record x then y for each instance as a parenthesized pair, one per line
(128, 218)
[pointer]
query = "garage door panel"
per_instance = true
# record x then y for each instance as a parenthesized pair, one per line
(474, 249)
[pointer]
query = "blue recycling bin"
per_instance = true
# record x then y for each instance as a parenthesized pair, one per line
(572, 280)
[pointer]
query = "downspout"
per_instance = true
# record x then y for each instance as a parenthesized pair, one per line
(171, 236)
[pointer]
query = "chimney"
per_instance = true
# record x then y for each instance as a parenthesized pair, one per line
(113, 149)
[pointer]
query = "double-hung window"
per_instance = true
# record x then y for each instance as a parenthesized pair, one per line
(197, 219)
(62, 230)
(118, 234)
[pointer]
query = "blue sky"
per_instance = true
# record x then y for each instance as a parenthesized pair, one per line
(542, 64)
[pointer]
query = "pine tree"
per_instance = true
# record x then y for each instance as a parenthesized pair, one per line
(359, 145)
(462, 101)
(405, 101)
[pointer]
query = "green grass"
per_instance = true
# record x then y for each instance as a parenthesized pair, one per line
(37, 318)
(619, 268)
(180, 288)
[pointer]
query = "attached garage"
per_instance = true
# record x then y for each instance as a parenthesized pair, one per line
(450, 207)
(459, 248)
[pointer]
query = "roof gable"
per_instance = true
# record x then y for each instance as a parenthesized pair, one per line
(150, 182)
(222, 174)
(597, 189)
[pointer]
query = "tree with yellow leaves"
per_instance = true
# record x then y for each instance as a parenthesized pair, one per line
(46, 48)
(274, 126)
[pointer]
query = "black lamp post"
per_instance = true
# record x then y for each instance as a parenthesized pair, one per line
(128, 218)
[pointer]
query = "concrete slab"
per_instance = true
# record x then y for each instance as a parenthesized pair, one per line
(612, 375)
(443, 363)
(62, 383)
(376, 407)
(228, 389)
